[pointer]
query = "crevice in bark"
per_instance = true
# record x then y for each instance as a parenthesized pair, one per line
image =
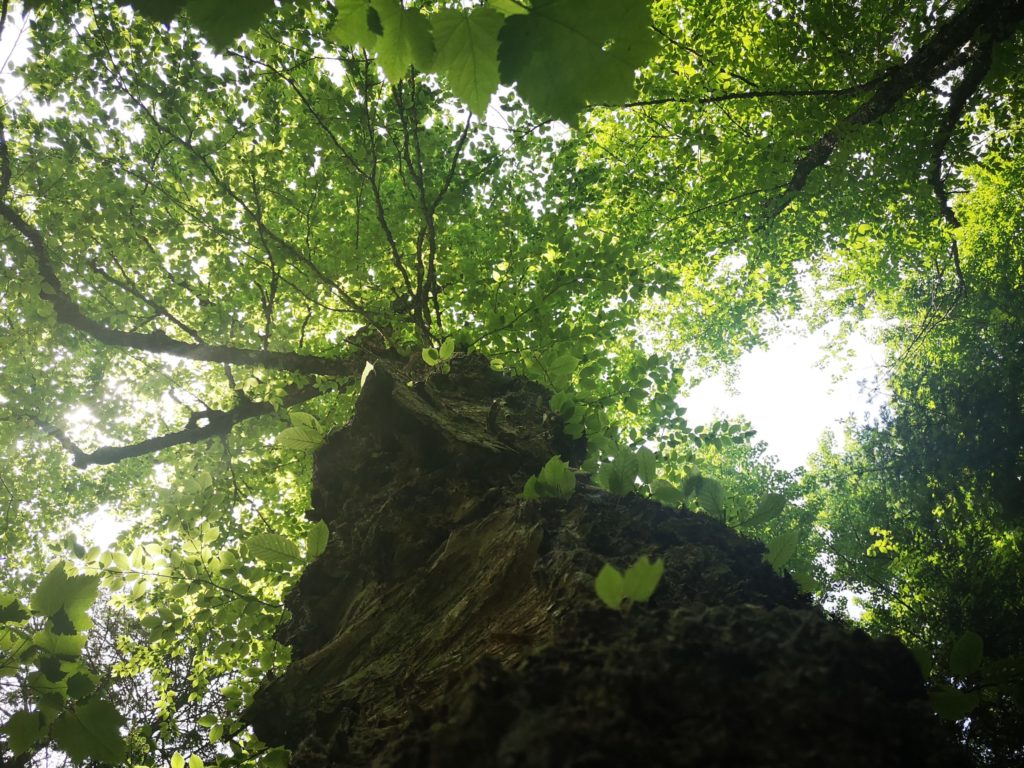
(451, 623)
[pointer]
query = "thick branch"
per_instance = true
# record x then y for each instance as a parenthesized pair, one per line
(158, 342)
(217, 424)
(979, 20)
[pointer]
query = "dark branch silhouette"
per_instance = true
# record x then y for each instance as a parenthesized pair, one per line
(981, 23)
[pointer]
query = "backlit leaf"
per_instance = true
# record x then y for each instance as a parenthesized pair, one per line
(352, 26)
(223, 21)
(447, 349)
(91, 731)
(618, 476)
(299, 438)
(952, 704)
(406, 40)
(467, 53)
(768, 508)
(642, 578)
(610, 586)
(23, 729)
(560, 369)
(667, 494)
(11, 610)
(566, 54)
(711, 496)
(966, 654)
(316, 539)
(646, 464)
(300, 419)
(781, 549)
(75, 594)
(273, 548)
(556, 479)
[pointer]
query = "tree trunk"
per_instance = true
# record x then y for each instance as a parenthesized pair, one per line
(452, 623)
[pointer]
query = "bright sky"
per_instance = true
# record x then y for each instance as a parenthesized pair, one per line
(790, 396)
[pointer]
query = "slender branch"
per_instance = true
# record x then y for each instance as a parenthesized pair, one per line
(959, 98)
(218, 424)
(128, 287)
(768, 93)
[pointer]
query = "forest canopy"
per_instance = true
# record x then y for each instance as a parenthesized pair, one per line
(213, 220)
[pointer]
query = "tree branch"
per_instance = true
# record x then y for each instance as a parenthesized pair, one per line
(978, 21)
(218, 424)
(68, 312)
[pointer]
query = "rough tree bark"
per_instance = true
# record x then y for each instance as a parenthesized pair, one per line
(452, 623)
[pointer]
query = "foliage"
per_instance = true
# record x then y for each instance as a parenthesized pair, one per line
(205, 253)
(555, 480)
(921, 512)
(636, 585)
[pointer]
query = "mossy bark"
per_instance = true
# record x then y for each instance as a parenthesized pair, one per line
(452, 623)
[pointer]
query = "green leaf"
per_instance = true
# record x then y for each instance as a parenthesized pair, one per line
(619, 476)
(508, 7)
(556, 480)
(195, 761)
(610, 586)
(80, 685)
(352, 25)
(711, 496)
(530, 489)
(300, 419)
(566, 54)
(159, 10)
(406, 40)
(781, 549)
(278, 757)
(768, 508)
(447, 349)
(691, 482)
(23, 730)
(642, 579)
(560, 370)
(63, 646)
(646, 464)
(952, 704)
(11, 610)
(91, 731)
(177, 760)
(667, 494)
(300, 438)
(467, 53)
(223, 21)
(316, 539)
(272, 548)
(923, 657)
(563, 404)
(430, 356)
(74, 594)
(966, 654)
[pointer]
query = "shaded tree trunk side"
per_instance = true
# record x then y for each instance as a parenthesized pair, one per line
(452, 623)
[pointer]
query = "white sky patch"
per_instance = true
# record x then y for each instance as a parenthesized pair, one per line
(14, 51)
(102, 527)
(791, 392)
